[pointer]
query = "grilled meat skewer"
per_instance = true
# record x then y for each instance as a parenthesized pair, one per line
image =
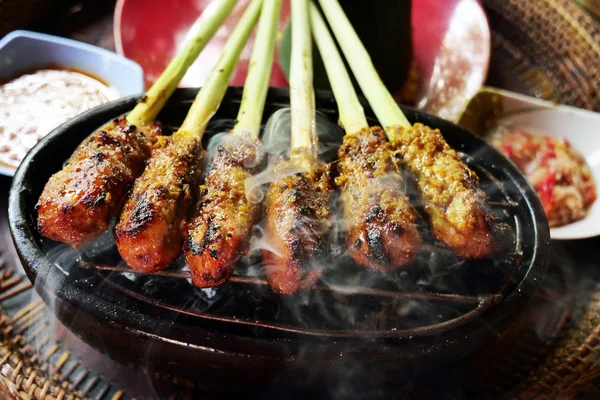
(79, 202)
(382, 232)
(298, 229)
(150, 229)
(456, 206)
(381, 229)
(297, 225)
(219, 233)
(148, 232)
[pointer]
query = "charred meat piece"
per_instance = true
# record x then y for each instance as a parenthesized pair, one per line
(297, 229)
(79, 201)
(149, 232)
(382, 233)
(456, 206)
(218, 234)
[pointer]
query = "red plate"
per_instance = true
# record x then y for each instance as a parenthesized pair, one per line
(451, 45)
(152, 31)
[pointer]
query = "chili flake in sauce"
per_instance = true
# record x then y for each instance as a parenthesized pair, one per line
(35, 103)
(560, 175)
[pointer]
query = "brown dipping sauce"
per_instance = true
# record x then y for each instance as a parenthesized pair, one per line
(35, 103)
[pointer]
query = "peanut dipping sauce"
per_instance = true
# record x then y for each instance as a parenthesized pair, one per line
(35, 103)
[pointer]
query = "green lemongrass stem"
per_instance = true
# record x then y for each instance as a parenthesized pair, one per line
(302, 97)
(203, 30)
(385, 107)
(209, 97)
(259, 72)
(352, 115)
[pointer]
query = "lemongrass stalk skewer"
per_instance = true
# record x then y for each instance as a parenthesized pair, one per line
(457, 207)
(257, 80)
(385, 107)
(202, 31)
(302, 97)
(150, 231)
(381, 232)
(297, 225)
(79, 202)
(352, 115)
(219, 233)
(209, 97)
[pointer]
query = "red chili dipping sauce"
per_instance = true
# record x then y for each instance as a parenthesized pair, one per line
(35, 103)
(560, 175)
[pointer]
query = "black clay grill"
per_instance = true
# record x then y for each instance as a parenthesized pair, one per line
(438, 309)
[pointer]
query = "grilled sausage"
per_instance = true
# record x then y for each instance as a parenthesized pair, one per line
(218, 234)
(381, 233)
(297, 228)
(149, 232)
(456, 206)
(78, 202)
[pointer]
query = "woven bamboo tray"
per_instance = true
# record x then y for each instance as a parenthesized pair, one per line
(546, 48)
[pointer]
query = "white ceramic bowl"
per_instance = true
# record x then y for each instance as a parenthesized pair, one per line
(580, 127)
(22, 51)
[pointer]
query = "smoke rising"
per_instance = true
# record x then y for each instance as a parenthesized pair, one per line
(277, 133)
(276, 143)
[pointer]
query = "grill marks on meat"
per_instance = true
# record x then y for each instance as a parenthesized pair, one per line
(382, 233)
(219, 233)
(457, 207)
(149, 232)
(297, 227)
(78, 202)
